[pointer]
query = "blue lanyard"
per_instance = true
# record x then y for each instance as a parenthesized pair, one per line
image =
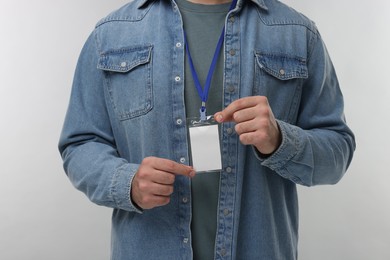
(204, 92)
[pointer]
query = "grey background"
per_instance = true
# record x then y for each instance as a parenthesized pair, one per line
(43, 217)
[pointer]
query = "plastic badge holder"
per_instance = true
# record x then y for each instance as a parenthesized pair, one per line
(205, 144)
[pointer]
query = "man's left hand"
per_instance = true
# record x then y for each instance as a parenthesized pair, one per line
(255, 123)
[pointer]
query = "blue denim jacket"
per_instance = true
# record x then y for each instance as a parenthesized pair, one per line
(127, 103)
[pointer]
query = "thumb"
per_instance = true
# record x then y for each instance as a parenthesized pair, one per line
(224, 116)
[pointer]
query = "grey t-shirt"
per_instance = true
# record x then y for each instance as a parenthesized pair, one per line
(203, 25)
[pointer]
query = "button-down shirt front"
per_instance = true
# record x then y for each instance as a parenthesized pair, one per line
(127, 103)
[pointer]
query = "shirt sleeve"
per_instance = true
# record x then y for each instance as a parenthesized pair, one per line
(87, 144)
(319, 148)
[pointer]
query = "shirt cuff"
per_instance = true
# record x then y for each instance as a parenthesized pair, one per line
(121, 188)
(288, 149)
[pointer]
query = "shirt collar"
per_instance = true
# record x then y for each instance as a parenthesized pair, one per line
(259, 3)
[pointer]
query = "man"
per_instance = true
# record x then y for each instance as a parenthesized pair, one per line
(145, 71)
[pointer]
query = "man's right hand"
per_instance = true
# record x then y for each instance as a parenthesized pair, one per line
(152, 185)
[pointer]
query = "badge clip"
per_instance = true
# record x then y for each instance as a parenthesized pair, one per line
(202, 110)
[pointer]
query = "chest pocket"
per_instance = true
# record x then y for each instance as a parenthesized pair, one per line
(129, 80)
(280, 78)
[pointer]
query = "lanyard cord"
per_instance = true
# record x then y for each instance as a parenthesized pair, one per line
(204, 93)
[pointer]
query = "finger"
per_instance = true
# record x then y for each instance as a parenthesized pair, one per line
(151, 188)
(162, 177)
(246, 138)
(246, 127)
(173, 167)
(246, 114)
(152, 201)
(226, 115)
(161, 189)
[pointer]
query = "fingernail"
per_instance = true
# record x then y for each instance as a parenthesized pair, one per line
(192, 173)
(219, 117)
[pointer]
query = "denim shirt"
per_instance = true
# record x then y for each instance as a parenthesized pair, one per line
(127, 103)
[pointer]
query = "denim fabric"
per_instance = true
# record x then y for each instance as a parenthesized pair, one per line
(127, 103)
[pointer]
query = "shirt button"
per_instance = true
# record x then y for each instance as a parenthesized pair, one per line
(223, 252)
(185, 200)
(182, 160)
(178, 45)
(179, 121)
(232, 52)
(231, 89)
(226, 212)
(123, 64)
(282, 72)
(229, 131)
(229, 169)
(232, 19)
(177, 78)
(185, 240)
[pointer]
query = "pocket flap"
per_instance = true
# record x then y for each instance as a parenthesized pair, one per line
(124, 60)
(281, 66)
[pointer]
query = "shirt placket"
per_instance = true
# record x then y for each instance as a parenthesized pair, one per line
(225, 224)
(180, 148)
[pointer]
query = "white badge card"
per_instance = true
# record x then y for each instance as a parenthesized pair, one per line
(205, 147)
